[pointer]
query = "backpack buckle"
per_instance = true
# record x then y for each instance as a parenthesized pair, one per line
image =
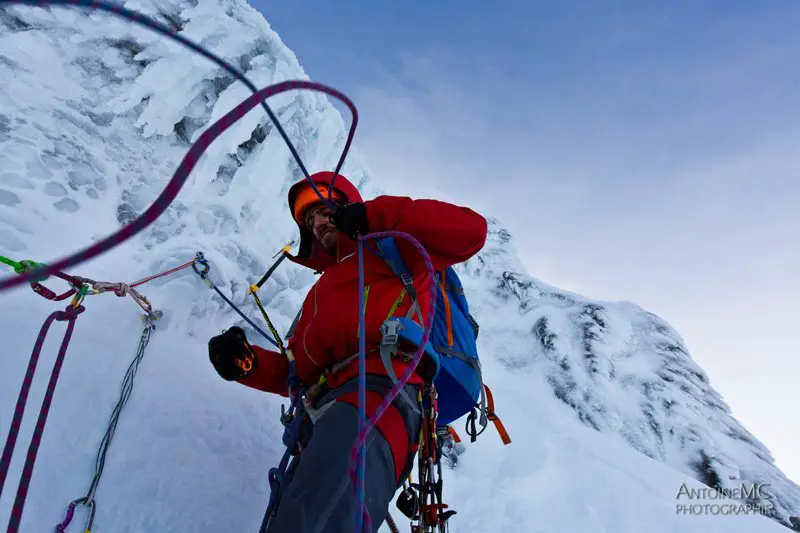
(407, 279)
(390, 331)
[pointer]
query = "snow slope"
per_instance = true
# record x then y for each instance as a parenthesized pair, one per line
(608, 413)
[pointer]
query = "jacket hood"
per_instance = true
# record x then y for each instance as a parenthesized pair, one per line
(311, 254)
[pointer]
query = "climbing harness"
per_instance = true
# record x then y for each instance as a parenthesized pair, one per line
(301, 401)
(197, 149)
(127, 388)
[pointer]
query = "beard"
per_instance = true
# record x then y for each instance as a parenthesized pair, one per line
(328, 238)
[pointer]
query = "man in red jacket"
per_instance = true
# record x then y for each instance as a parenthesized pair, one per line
(318, 495)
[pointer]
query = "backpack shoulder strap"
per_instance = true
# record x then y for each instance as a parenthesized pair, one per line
(388, 250)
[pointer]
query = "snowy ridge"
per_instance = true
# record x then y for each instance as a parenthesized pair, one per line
(622, 370)
(113, 110)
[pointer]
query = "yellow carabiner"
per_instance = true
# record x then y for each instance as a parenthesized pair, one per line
(77, 300)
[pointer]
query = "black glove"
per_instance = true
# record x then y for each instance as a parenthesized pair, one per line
(231, 354)
(351, 219)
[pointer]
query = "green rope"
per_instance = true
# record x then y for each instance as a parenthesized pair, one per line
(18, 268)
(24, 266)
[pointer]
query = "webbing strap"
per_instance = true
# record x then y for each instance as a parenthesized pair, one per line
(498, 424)
(395, 262)
(389, 350)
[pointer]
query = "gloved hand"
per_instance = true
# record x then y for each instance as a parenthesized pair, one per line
(351, 219)
(231, 354)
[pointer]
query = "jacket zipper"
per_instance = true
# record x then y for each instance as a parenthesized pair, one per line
(305, 331)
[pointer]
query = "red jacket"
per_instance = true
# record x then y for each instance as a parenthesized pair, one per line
(327, 329)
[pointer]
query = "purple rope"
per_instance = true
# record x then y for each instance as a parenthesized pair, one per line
(62, 527)
(69, 315)
(358, 453)
(187, 165)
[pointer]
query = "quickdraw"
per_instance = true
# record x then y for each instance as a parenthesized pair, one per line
(127, 388)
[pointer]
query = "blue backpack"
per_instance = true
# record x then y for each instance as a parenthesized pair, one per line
(451, 349)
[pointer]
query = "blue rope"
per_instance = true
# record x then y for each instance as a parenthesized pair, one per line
(361, 510)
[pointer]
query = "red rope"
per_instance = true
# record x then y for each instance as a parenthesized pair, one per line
(161, 275)
(69, 315)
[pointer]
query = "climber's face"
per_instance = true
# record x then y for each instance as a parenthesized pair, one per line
(318, 221)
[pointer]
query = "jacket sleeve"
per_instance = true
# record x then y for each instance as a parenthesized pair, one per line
(270, 372)
(451, 234)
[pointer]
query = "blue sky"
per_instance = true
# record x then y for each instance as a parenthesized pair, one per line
(640, 151)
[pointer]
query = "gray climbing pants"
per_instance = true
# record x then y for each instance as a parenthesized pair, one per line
(318, 495)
